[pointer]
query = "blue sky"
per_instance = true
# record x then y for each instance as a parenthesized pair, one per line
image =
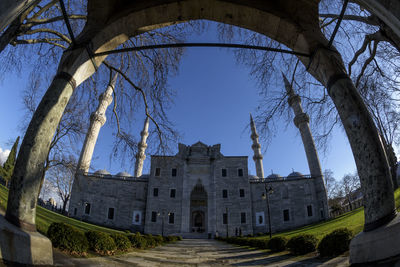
(215, 96)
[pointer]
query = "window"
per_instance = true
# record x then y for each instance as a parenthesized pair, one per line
(153, 216)
(322, 214)
(225, 218)
(158, 172)
(87, 208)
(223, 172)
(241, 192)
(240, 172)
(171, 218)
(173, 173)
(309, 210)
(75, 211)
(111, 213)
(172, 193)
(155, 192)
(260, 219)
(243, 217)
(225, 193)
(285, 215)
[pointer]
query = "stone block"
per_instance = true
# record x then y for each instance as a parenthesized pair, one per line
(23, 247)
(379, 244)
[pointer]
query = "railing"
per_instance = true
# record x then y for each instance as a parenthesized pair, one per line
(280, 179)
(117, 177)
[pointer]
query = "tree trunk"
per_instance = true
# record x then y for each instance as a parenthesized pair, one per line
(64, 205)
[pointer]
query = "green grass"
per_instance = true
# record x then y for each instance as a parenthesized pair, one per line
(353, 220)
(45, 217)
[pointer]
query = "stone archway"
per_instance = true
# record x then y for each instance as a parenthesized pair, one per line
(294, 23)
(198, 209)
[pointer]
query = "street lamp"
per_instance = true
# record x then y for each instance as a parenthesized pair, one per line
(266, 197)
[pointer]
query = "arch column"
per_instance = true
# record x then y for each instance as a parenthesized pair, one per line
(382, 228)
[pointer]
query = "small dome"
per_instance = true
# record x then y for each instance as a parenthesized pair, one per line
(295, 175)
(274, 176)
(145, 176)
(103, 172)
(124, 174)
(252, 176)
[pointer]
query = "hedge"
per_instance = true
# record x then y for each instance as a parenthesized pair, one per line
(302, 244)
(277, 243)
(101, 242)
(335, 243)
(66, 237)
(121, 241)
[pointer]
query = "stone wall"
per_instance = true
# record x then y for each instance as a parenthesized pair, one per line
(294, 195)
(125, 195)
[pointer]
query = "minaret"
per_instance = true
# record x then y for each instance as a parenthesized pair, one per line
(257, 150)
(140, 156)
(301, 120)
(97, 120)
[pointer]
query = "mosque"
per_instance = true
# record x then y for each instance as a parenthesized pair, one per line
(201, 192)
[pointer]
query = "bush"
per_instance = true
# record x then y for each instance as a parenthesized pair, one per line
(121, 241)
(302, 244)
(151, 242)
(159, 239)
(277, 243)
(68, 238)
(100, 242)
(335, 243)
(138, 241)
(178, 237)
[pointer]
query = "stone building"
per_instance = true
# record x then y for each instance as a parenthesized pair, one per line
(200, 192)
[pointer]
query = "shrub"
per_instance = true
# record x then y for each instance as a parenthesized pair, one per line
(260, 243)
(277, 243)
(171, 238)
(178, 238)
(127, 231)
(159, 239)
(138, 241)
(151, 242)
(100, 242)
(68, 238)
(335, 243)
(302, 244)
(121, 241)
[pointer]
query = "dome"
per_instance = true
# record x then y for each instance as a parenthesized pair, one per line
(252, 176)
(295, 175)
(102, 172)
(124, 174)
(274, 176)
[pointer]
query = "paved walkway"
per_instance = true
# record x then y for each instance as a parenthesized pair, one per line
(199, 252)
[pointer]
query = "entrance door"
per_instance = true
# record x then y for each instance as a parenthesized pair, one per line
(198, 209)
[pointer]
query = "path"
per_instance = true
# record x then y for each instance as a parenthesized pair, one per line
(199, 252)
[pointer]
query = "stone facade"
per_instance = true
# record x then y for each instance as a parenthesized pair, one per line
(198, 191)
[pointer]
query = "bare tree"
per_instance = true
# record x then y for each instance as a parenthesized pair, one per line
(330, 184)
(61, 177)
(349, 184)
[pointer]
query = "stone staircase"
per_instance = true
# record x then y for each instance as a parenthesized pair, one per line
(194, 235)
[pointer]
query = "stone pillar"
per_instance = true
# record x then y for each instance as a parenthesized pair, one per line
(11, 9)
(97, 120)
(368, 151)
(141, 155)
(257, 150)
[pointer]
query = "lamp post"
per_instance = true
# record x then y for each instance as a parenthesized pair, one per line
(266, 197)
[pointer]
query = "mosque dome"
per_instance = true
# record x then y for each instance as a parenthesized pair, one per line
(295, 175)
(274, 176)
(102, 172)
(124, 174)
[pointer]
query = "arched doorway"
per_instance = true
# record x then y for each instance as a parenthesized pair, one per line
(198, 209)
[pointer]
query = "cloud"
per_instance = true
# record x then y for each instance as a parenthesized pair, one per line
(3, 155)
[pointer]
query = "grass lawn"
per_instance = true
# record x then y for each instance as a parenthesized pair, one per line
(353, 220)
(45, 217)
